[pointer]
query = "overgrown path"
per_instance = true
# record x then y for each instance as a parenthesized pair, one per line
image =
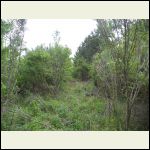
(71, 110)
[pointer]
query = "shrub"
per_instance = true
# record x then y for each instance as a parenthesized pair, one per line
(45, 70)
(81, 69)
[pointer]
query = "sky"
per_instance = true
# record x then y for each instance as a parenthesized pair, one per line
(72, 32)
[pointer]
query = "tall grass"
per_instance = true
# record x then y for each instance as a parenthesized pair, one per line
(70, 111)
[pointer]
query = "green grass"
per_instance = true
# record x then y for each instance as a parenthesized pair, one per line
(71, 110)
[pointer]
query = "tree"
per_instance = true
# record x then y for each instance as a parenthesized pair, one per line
(127, 43)
(81, 68)
(61, 65)
(89, 47)
(12, 35)
(84, 54)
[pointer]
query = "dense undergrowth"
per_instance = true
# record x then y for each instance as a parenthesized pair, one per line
(104, 87)
(72, 110)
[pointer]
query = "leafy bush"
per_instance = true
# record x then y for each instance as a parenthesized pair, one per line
(81, 69)
(33, 71)
(45, 70)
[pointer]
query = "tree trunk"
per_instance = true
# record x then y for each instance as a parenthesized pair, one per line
(128, 115)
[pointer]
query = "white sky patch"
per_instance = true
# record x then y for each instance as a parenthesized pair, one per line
(72, 32)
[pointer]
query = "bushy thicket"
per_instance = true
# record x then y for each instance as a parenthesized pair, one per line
(45, 69)
(119, 69)
(81, 69)
(83, 57)
(113, 60)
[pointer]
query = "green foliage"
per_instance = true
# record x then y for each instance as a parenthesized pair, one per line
(89, 47)
(11, 48)
(45, 70)
(103, 72)
(39, 93)
(61, 65)
(6, 27)
(72, 111)
(33, 69)
(3, 90)
(84, 54)
(81, 69)
(121, 69)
